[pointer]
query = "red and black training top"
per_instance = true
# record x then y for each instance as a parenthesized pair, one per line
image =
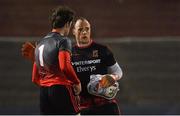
(52, 64)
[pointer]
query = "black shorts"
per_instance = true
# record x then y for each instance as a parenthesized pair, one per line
(58, 99)
(106, 109)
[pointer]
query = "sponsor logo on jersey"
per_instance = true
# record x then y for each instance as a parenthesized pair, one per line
(86, 65)
(87, 62)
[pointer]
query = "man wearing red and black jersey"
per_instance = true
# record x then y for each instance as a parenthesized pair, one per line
(52, 69)
(91, 58)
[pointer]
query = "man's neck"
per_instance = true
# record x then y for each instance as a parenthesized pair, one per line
(84, 44)
(60, 31)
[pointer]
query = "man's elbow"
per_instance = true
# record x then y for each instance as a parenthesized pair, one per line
(116, 70)
(119, 75)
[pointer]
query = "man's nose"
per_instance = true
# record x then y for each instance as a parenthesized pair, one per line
(84, 32)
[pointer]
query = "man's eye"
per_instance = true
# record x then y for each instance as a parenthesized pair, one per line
(79, 29)
(87, 29)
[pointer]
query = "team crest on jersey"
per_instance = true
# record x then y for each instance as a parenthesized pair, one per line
(95, 53)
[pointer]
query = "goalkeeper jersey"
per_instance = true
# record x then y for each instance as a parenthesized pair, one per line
(92, 59)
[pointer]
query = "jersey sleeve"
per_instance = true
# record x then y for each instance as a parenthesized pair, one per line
(35, 74)
(66, 45)
(66, 67)
(109, 58)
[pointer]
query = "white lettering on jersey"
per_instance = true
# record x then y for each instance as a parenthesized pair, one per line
(86, 68)
(85, 62)
(41, 48)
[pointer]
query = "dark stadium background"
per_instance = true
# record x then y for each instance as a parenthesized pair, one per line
(143, 35)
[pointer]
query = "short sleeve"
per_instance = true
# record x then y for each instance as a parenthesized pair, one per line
(109, 59)
(66, 45)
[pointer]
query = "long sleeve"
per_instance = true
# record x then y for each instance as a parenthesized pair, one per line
(35, 74)
(66, 67)
(116, 70)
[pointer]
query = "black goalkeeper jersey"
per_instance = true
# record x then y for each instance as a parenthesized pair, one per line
(93, 59)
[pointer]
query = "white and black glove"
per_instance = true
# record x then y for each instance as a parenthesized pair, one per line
(103, 86)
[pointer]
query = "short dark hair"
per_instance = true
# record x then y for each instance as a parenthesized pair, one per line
(61, 15)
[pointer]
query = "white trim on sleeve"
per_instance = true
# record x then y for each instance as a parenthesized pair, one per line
(115, 69)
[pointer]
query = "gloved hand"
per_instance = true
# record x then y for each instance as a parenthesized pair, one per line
(106, 81)
(96, 89)
(27, 50)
